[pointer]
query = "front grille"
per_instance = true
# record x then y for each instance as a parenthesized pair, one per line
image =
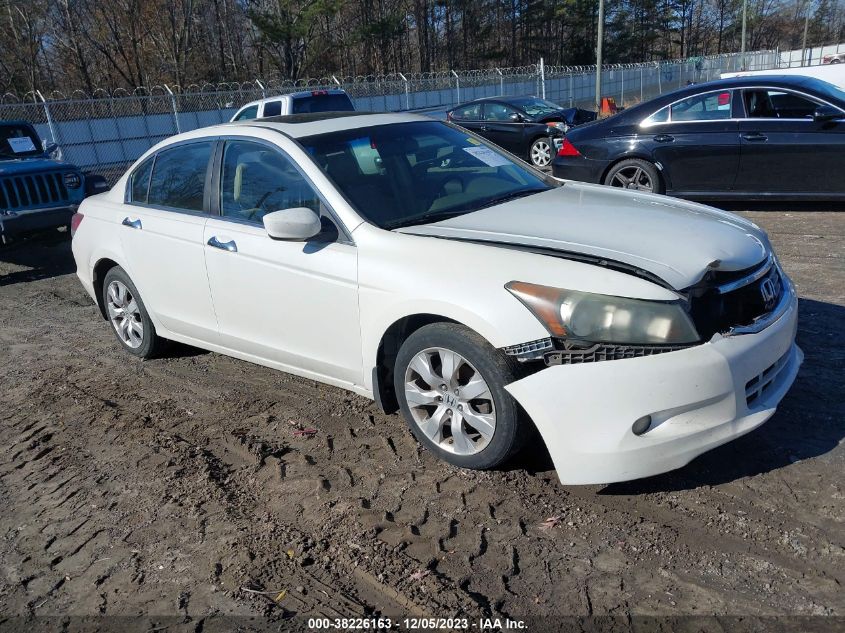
(32, 190)
(762, 383)
(607, 351)
(715, 310)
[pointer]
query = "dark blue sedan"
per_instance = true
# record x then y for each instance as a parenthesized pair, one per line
(764, 137)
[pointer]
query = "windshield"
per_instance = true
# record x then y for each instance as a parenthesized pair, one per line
(322, 103)
(829, 90)
(535, 107)
(413, 173)
(18, 140)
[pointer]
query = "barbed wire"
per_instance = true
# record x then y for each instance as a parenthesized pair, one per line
(359, 82)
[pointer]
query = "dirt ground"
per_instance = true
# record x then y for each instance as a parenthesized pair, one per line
(179, 488)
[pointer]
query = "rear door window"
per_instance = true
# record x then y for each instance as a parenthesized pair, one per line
(467, 113)
(178, 179)
(711, 106)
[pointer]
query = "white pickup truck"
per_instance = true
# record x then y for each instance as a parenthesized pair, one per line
(296, 103)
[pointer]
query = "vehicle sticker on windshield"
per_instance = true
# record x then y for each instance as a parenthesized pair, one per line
(21, 144)
(487, 156)
(474, 141)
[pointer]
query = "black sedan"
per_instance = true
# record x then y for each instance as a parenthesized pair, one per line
(525, 126)
(761, 137)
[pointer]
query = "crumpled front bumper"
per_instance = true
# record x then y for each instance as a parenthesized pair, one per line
(698, 398)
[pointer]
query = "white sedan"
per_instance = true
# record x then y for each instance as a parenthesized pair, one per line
(412, 262)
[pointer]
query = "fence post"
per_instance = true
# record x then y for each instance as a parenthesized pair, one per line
(336, 80)
(501, 82)
(457, 85)
(173, 103)
(641, 84)
(571, 88)
(49, 117)
(542, 79)
(263, 91)
(407, 92)
(622, 98)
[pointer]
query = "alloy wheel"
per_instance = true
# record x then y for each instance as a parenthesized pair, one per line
(450, 401)
(124, 314)
(541, 153)
(632, 177)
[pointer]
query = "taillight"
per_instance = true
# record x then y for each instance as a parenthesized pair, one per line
(568, 149)
(75, 221)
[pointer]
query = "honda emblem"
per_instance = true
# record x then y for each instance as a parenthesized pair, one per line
(769, 292)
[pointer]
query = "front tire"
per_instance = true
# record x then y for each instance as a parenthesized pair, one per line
(635, 173)
(128, 316)
(541, 152)
(450, 384)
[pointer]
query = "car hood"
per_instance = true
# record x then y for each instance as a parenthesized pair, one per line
(17, 166)
(674, 240)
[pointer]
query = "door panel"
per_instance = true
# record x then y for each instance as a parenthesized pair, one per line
(699, 146)
(165, 254)
(783, 152)
(294, 303)
(697, 156)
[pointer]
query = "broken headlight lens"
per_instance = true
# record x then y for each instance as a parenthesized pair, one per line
(604, 318)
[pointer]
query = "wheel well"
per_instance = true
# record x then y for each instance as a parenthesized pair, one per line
(660, 173)
(388, 349)
(100, 269)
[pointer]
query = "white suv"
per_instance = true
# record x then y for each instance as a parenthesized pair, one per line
(296, 103)
(411, 262)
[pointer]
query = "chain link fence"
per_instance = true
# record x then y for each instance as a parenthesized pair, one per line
(104, 132)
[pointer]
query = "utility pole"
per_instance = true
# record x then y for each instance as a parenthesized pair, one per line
(804, 44)
(599, 44)
(744, 13)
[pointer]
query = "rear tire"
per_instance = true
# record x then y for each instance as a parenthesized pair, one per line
(450, 384)
(128, 315)
(635, 174)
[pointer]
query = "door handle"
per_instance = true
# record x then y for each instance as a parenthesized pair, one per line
(755, 136)
(664, 138)
(132, 224)
(225, 246)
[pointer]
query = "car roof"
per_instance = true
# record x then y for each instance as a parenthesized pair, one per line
(308, 124)
(731, 83)
(496, 99)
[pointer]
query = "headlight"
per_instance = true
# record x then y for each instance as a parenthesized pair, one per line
(561, 125)
(72, 180)
(605, 318)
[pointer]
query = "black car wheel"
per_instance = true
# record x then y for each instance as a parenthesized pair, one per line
(634, 173)
(541, 152)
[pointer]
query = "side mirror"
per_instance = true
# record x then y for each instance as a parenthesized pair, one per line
(827, 113)
(296, 224)
(516, 117)
(94, 184)
(52, 150)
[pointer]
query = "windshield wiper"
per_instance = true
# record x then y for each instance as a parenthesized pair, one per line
(513, 195)
(423, 219)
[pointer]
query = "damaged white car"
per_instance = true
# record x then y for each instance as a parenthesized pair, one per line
(412, 262)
